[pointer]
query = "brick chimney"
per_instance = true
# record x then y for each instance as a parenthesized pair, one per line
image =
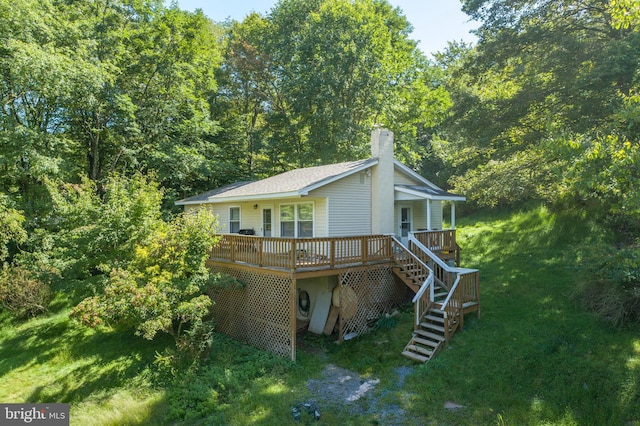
(382, 184)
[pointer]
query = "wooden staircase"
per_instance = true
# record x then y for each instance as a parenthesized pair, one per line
(429, 334)
(439, 307)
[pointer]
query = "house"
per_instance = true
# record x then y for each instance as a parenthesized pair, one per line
(335, 247)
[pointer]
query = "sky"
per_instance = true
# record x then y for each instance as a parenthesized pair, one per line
(435, 22)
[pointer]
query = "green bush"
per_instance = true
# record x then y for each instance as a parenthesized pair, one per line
(610, 284)
(208, 390)
(96, 229)
(22, 293)
(163, 289)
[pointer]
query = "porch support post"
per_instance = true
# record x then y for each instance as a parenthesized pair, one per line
(428, 214)
(453, 215)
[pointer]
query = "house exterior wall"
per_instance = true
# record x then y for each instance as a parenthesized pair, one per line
(348, 203)
(402, 179)
(418, 208)
(251, 216)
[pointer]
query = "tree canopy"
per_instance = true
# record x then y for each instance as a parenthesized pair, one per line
(546, 107)
(111, 107)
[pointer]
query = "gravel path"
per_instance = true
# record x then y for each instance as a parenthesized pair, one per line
(349, 392)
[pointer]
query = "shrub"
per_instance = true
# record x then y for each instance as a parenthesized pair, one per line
(610, 284)
(11, 229)
(97, 229)
(22, 293)
(163, 289)
(208, 390)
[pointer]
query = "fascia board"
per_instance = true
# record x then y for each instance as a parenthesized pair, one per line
(430, 196)
(292, 194)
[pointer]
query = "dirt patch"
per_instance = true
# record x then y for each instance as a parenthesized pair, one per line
(349, 392)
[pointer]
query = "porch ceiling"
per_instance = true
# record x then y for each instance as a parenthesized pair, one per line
(417, 192)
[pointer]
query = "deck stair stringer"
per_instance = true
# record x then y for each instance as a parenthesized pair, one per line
(427, 339)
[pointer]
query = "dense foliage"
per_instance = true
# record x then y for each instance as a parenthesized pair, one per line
(546, 106)
(111, 109)
(163, 287)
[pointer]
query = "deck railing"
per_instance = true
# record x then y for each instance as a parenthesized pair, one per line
(419, 272)
(441, 242)
(463, 285)
(295, 253)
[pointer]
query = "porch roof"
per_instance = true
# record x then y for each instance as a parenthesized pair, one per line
(419, 192)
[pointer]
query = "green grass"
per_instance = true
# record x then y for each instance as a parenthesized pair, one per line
(533, 358)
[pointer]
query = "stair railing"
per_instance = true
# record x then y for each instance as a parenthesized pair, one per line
(443, 272)
(452, 307)
(463, 286)
(422, 301)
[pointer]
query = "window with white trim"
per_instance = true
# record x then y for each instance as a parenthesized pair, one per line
(234, 220)
(296, 220)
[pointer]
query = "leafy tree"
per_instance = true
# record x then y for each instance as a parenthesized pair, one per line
(11, 228)
(545, 82)
(310, 80)
(40, 71)
(625, 13)
(94, 233)
(103, 87)
(163, 287)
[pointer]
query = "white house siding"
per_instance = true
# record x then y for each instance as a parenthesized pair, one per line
(348, 205)
(436, 214)
(251, 216)
(402, 179)
(418, 208)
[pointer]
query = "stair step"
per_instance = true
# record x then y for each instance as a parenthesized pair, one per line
(420, 350)
(434, 318)
(437, 311)
(431, 336)
(415, 356)
(426, 342)
(432, 326)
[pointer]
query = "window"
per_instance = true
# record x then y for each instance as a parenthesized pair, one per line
(234, 219)
(305, 220)
(296, 220)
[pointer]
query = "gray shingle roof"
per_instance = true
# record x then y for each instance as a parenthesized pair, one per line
(205, 195)
(293, 181)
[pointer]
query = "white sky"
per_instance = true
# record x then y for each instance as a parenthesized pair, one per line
(435, 22)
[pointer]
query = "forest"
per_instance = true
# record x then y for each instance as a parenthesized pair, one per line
(111, 110)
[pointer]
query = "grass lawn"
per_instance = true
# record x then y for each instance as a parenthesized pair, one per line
(533, 358)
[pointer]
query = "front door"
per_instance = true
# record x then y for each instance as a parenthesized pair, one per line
(267, 222)
(405, 224)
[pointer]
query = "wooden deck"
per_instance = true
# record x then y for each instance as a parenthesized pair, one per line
(303, 254)
(366, 265)
(325, 252)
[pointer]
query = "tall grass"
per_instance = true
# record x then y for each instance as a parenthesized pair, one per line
(533, 358)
